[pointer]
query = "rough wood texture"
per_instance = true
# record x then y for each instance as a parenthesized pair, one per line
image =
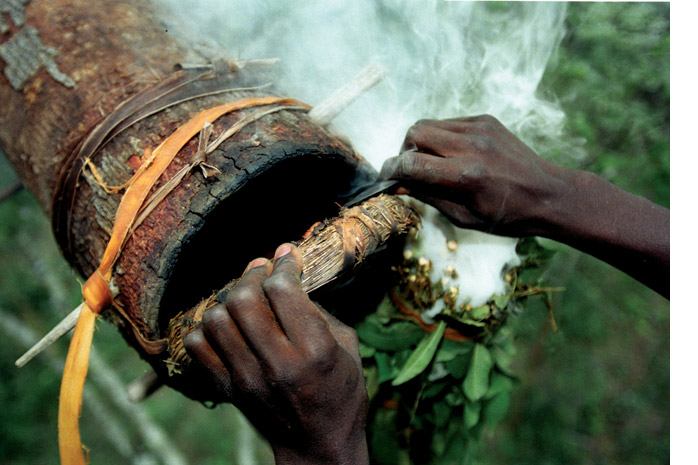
(40, 122)
(278, 175)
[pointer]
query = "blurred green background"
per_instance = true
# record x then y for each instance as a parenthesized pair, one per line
(595, 391)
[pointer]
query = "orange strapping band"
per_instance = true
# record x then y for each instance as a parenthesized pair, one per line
(96, 293)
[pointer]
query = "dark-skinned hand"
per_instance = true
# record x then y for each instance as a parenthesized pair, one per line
(475, 172)
(481, 176)
(288, 365)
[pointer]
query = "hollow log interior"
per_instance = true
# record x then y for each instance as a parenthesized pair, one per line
(276, 206)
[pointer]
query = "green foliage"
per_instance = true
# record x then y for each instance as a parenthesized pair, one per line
(433, 390)
(394, 336)
(612, 79)
(421, 357)
(477, 381)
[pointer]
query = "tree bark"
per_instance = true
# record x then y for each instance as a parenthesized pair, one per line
(65, 67)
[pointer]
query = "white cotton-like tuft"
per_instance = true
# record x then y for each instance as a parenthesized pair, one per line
(479, 260)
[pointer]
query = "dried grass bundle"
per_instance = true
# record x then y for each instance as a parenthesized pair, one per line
(328, 249)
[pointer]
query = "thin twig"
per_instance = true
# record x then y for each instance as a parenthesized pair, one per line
(62, 328)
(144, 387)
(151, 435)
(114, 431)
(329, 108)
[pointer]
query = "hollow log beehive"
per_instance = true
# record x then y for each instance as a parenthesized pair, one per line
(104, 81)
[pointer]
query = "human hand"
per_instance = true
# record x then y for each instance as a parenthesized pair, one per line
(293, 369)
(477, 173)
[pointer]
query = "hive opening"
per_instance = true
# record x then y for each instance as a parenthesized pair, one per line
(276, 206)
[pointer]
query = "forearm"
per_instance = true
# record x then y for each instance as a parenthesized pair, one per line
(596, 217)
(478, 174)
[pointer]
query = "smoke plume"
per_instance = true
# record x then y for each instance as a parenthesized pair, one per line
(444, 59)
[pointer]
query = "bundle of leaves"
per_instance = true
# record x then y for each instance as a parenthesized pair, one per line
(436, 387)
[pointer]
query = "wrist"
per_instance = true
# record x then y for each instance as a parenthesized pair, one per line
(548, 210)
(351, 452)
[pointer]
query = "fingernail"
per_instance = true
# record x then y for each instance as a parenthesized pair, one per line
(282, 250)
(257, 262)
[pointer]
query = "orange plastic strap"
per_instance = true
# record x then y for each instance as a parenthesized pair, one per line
(96, 293)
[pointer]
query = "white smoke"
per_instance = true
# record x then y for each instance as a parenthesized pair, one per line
(444, 60)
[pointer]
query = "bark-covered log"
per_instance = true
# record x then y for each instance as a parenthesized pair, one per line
(66, 69)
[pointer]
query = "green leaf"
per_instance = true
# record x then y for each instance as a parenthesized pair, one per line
(471, 414)
(454, 450)
(384, 439)
(499, 383)
(366, 351)
(435, 389)
(454, 398)
(442, 413)
(457, 367)
(392, 337)
(501, 301)
(496, 409)
(503, 350)
(470, 322)
(449, 350)
(507, 341)
(454, 355)
(385, 368)
(385, 309)
(422, 356)
(477, 380)
(480, 313)
(372, 384)
(503, 360)
(533, 252)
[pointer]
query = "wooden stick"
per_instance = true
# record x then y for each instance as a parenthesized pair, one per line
(66, 325)
(109, 415)
(329, 108)
(143, 387)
